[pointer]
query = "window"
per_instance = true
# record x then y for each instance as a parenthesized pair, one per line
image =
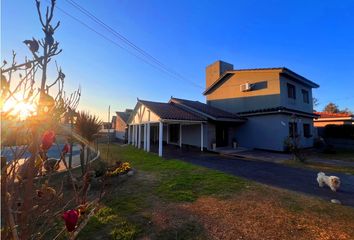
(305, 96)
(292, 129)
(307, 130)
(291, 91)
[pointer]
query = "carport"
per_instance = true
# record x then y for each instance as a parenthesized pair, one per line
(159, 123)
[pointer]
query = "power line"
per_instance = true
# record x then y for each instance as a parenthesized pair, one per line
(103, 36)
(149, 59)
(124, 39)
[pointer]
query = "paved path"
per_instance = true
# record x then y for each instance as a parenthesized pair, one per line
(281, 157)
(295, 179)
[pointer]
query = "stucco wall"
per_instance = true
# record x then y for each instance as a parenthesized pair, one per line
(211, 135)
(243, 104)
(298, 103)
(269, 132)
(265, 91)
(191, 135)
(269, 90)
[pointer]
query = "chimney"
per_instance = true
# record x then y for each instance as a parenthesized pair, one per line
(215, 70)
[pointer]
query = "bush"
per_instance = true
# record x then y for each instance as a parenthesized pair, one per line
(339, 131)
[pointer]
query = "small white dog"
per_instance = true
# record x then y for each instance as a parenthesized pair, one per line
(331, 181)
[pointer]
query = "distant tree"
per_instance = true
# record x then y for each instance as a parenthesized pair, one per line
(315, 103)
(346, 110)
(331, 108)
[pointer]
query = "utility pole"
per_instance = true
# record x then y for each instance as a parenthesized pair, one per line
(108, 130)
(71, 119)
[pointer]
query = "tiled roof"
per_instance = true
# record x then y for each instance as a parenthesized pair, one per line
(333, 115)
(205, 109)
(123, 115)
(276, 109)
(171, 111)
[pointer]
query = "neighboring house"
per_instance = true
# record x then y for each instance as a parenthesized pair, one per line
(257, 108)
(325, 118)
(113, 122)
(119, 123)
(106, 127)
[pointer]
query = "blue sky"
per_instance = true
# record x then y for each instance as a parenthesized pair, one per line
(313, 38)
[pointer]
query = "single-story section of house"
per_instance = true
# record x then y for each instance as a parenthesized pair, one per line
(179, 122)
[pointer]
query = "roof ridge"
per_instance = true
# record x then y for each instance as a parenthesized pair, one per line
(335, 114)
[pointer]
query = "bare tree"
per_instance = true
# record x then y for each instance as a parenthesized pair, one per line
(31, 203)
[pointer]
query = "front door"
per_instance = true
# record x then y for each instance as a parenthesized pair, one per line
(221, 136)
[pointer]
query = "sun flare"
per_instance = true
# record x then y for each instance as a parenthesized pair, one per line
(17, 106)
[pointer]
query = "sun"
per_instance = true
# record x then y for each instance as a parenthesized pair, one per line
(17, 106)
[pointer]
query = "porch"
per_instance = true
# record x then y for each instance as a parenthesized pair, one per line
(180, 123)
(154, 136)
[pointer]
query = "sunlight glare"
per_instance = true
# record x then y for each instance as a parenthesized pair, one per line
(19, 108)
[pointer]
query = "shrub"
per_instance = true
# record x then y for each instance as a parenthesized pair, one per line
(339, 131)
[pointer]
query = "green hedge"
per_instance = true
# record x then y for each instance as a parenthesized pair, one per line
(339, 131)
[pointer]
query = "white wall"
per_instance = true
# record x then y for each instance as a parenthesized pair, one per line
(191, 135)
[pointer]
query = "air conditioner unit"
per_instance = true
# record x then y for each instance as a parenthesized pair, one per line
(245, 87)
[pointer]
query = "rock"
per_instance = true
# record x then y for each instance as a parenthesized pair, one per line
(336, 201)
(130, 173)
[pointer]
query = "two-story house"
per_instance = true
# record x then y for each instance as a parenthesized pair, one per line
(257, 108)
(277, 103)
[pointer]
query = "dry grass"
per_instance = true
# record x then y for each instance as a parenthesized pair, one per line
(256, 216)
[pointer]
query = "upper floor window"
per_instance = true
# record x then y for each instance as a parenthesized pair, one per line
(305, 96)
(291, 91)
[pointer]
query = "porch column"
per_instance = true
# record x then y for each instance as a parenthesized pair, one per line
(180, 135)
(145, 137)
(201, 137)
(136, 136)
(139, 140)
(128, 134)
(148, 138)
(133, 135)
(160, 138)
(168, 134)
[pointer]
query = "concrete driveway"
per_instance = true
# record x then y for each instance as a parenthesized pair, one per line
(295, 179)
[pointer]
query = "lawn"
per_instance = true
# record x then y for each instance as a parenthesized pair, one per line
(171, 199)
(345, 155)
(340, 154)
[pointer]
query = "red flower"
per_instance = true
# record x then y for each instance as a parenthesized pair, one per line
(71, 217)
(66, 149)
(47, 139)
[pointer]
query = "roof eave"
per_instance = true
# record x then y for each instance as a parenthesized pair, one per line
(304, 80)
(211, 87)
